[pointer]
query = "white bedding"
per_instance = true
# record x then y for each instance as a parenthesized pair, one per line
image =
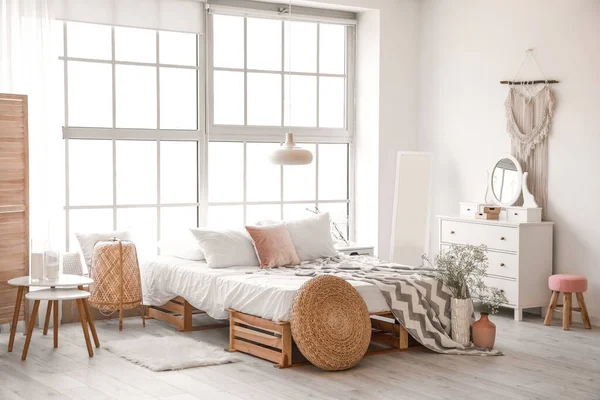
(265, 293)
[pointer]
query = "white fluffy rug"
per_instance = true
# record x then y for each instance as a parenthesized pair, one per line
(169, 352)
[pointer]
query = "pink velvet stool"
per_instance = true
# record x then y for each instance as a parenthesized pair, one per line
(567, 284)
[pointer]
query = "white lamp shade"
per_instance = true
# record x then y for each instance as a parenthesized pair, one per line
(290, 154)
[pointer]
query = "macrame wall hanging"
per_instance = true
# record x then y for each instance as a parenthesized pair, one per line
(529, 110)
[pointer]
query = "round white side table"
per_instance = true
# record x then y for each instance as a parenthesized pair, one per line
(56, 295)
(23, 284)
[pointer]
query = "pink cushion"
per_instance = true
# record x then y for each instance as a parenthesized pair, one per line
(273, 245)
(567, 283)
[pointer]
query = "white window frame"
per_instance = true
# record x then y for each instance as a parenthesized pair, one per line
(316, 202)
(246, 134)
(275, 133)
(156, 135)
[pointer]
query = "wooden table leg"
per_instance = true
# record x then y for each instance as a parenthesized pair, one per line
(90, 320)
(88, 315)
(84, 326)
(36, 306)
(25, 291)
(47, 322)
(55, 323)
(15, 321)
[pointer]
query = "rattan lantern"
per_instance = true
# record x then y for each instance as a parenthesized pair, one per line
(116, 274)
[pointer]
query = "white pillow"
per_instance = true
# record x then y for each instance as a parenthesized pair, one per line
(312, 237)
(224, 249)
(188, 249)
(88, 240)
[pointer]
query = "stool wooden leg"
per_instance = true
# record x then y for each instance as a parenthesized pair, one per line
(571, 311)
(36, 306)
(584, 313)
(15, 320)
(47, 321)
(553, 300)
(55, 322)
(86, 334)
(567, 310)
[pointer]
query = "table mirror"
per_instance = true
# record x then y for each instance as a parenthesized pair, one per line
(507, 182)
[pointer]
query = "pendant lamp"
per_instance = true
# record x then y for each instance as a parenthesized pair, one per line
(289, 153)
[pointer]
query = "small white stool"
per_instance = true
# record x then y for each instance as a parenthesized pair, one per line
(80, 296)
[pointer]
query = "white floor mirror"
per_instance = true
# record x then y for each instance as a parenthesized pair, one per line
(412, 201)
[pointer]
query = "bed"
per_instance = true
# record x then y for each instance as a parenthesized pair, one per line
(256, 302)
(266, 293)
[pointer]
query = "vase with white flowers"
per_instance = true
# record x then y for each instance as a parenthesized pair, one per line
(462, 269)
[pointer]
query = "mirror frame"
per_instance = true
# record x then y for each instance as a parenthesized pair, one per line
(515, 197)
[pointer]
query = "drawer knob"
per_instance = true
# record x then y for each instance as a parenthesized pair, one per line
(468, 209)
(502, 264)
(452, 232)
(516, 213)
(502, 238)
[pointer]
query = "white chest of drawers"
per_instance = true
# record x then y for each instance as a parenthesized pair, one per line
(519, 255)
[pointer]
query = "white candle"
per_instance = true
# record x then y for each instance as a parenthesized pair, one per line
(51, 264)
(37, 266)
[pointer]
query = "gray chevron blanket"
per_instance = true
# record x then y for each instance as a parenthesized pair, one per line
(418, 301)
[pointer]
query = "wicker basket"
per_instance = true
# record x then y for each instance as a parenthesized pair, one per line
(116, 274)
(330, 323)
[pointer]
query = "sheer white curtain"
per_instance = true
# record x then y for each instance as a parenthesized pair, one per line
(29, 65)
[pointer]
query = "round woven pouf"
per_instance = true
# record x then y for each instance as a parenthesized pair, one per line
(330, 323)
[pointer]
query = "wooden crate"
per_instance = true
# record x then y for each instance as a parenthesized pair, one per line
(178, 312)
(272, 341)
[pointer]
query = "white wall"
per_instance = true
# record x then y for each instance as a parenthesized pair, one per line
(466, 47)
(398, 105)
(366, 144)
(387, 110)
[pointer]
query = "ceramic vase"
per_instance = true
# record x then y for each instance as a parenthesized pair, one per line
(484, 332)
(462, 310)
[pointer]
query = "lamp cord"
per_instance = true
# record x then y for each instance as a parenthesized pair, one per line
(290, 66)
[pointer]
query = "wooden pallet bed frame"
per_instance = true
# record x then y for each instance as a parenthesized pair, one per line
(273, 341)
(178, 312)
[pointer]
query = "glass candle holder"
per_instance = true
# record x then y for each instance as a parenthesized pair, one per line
(51, 264)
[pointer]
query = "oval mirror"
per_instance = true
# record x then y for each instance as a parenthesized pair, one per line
(506, 181)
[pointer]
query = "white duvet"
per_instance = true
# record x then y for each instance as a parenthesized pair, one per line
(264, 293)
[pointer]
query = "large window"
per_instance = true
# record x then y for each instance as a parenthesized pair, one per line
(257, 81)
(135, 132)
(132, 129)
(254, 77)
(245, 188)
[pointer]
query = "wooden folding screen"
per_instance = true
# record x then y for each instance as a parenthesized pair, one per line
(14, 200)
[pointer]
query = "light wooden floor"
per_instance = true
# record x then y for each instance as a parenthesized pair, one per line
(540, 363)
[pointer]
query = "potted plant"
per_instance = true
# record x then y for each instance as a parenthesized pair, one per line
(462, 269)
(484, 330)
